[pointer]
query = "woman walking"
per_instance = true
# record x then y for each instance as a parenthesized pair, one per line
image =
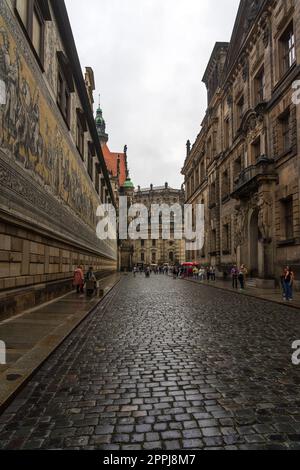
(78, 279)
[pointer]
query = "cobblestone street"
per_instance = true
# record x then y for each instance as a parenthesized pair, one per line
(166, 364)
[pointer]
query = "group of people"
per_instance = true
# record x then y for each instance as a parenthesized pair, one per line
(238, 276)
(148, 270)
(204, 274)
(80, 280)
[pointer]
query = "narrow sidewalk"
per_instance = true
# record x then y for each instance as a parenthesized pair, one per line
(271, 295)
(33, 335)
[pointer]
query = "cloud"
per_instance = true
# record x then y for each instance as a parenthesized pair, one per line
(149, 57)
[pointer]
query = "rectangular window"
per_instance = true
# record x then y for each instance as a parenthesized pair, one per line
(209, 149)
(259, 87)
(202, 176)
(37, 32)
(142, 257)
(22, 9)
(237, 168)
(288, 218)
(287, 49)
(97, 179)
(256, 149)
(80, 138)
(63, 96)
(90, 165)
(225, 184)
(213, 194)
(284, 122)
(33, 17)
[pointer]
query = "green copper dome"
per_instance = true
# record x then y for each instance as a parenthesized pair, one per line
(99, 120)
(128, 184)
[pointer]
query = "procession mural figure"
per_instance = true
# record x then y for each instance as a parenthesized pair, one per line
(34, 141)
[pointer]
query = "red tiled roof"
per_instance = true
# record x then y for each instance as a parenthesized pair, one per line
(111, 159)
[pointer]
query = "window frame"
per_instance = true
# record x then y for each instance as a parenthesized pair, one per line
(288, 217)
(63, 101)
(285, 130)
(260, 86)
(33, 6)
(287, 51)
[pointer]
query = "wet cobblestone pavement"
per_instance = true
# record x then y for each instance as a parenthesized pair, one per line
(166, 364)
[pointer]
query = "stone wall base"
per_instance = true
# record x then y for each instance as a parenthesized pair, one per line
(16, 301)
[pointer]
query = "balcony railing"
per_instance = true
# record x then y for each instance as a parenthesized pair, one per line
(246, 176)
(250, 178)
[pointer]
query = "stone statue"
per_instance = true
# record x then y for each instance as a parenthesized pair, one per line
(240, 225)
(188, 148)
(264, 217)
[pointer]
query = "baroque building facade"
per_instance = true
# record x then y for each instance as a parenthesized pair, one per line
(159, 251)
(53, 174)
(244, 165)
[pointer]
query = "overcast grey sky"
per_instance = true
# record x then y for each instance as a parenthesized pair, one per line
(149, 57)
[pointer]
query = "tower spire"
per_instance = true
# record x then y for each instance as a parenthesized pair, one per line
(100, 124)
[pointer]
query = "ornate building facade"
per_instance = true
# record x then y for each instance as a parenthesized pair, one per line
(244, 165)
(158, 252)
(52, 172)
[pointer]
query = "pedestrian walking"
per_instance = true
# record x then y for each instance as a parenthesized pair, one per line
(202, 275)
(208, 274)
(234, 277)
(288, 284)
(212, 271)
(134, 271)
(90, 281)
(78, 279)
(282, 279)
(242, 276)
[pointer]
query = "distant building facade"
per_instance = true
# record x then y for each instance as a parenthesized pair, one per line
(52, 172)
(159, 252)
(244, 165)
(122, 185)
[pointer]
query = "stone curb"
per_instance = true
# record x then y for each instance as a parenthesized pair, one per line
(246, 294)
(26, 367)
